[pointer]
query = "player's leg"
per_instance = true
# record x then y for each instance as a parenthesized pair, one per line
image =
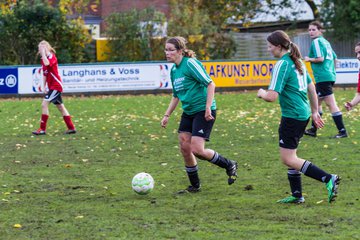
(320, 93)
(336, 115)
(290, 159)
(201, 131)
(44, 117)
(66, 116)
(191, 166)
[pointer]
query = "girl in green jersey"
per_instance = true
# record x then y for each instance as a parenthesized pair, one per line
(193, 87)
(291, 83)
(322, 59)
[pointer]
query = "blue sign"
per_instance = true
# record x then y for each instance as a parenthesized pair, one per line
(8, 80)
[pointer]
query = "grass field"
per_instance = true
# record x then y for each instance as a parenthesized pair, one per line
(79, 186)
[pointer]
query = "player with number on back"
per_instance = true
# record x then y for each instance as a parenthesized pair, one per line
(292, 84)
(322, 59)
(53, 81)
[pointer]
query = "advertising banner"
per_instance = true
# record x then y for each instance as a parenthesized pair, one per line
(100, 78)
(240, 74)
(8, 81)
(83, 78)
(347, 71)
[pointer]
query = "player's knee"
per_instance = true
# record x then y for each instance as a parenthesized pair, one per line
(198, 151)
(185, 148)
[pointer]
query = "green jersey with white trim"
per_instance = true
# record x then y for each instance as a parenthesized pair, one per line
(292, 88)
(189, 81)
(323, 71)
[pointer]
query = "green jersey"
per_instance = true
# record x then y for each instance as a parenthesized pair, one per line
(292, 88)
(323, 71)
(189, 81)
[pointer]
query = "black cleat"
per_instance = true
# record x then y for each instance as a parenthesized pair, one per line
(341, 135)
(310, 132)
(70, 131)
(190, 189)
(232, 172)
(39, 132)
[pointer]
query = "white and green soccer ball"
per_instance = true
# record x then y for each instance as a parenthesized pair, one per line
(142, 183)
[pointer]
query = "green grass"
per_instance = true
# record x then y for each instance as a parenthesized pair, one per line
(79, 186)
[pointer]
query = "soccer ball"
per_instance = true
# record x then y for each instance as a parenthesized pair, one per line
(142, 183)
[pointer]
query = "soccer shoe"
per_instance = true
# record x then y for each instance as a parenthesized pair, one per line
(232, 172)
(310, 132)
(39, 132)
(292, 199)
(70, 131)
(341, 135)
(332, 187)
(190, 189)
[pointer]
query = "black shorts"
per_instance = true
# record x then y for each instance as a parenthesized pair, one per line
(290, 132)
(324, 89)
(197, 125)
(54, 97)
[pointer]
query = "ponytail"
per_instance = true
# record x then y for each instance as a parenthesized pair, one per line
(295, 55)
(189, 53)
(280, 38)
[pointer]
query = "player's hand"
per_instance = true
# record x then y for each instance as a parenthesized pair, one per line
(307, 59)
(164, 121)
(348, 106)
(260, 93)
(208, 115)
(318, 121)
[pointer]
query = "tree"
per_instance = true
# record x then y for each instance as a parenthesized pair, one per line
(133, 35)
(343, 18)
(191, 19)
(24, 24)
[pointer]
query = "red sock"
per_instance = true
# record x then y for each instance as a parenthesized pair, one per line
(43, 121)
(69, 123)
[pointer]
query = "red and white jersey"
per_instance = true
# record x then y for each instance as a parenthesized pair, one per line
(51, 73)
(358, 88)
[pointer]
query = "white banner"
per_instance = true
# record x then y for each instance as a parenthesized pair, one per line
(96, 78)
(347, 71)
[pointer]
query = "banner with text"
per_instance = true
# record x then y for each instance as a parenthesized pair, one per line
(151, 76)
(100, 78)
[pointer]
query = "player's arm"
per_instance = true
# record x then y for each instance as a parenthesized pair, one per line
(173, 104)
(209, 100)
(44, 57)
(44, 84)
(314, 60)
(355, 101)
(268, 96)
(319, 123)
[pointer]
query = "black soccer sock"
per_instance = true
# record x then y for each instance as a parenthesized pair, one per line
(314, 172)
(219, 160)
(294, 177)
(312, 123)
(337, 117)
(193, 175)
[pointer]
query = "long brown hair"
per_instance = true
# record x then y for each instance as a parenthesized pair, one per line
(280, 38)
(180, 44)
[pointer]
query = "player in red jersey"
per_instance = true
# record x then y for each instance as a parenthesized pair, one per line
(53, 82)
(356, 99)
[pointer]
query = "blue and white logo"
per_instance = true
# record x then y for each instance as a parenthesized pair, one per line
(10, 81)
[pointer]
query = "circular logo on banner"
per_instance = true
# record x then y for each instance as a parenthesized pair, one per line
(37, 79)
(10, 81)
